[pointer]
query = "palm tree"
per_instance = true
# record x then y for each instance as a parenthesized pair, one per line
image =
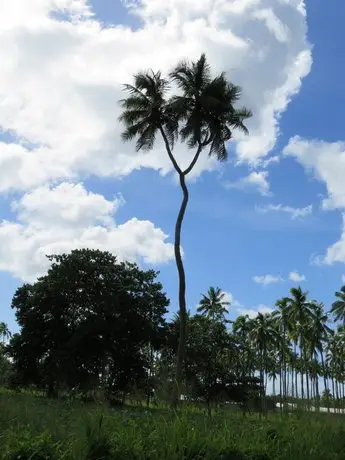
(240, 328)
(5, 333)
(300, 314)
(281, 317)
(264, 336)
(203, 116)
(338, 307)
(318, 335)
(214, 305)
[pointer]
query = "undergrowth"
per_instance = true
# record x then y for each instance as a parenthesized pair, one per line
(35, 428)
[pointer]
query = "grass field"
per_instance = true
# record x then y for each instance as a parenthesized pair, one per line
(32, 427)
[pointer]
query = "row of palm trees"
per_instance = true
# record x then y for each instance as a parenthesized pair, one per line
(298, 346)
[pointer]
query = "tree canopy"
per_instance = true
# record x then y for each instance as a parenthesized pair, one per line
(87, 321)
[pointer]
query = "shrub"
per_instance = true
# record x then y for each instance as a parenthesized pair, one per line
(33, 448)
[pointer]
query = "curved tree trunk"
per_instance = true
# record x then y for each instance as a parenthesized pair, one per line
(182, 294)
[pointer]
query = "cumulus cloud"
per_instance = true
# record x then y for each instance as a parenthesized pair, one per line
(67, 216)
(228, 297)
(267, 279)
(294, 213)
(253, 312)
(296, 277)
(255, 181)
(60, 80)
(240, 309)
(326, 161)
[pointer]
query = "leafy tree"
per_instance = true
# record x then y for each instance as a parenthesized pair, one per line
(214, 304)
(203, 116)
(5, 367)
(88, 322)
(212, 371)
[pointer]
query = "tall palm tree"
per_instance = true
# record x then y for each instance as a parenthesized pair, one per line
(214, 304)
(338, 307)
(264, 336)
(300, 313)
(318, 335)
(240, 328)
(203, 116)
(281, 317)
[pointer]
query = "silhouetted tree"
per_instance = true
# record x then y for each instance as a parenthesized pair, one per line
(88, 322)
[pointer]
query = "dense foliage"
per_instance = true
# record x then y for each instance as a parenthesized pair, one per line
(90, 322)
(93, 324)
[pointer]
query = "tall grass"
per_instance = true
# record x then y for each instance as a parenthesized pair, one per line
(35, 428)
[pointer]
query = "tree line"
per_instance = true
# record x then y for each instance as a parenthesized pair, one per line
(93, 325)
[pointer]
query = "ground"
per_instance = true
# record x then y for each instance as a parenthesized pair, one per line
(40, 429)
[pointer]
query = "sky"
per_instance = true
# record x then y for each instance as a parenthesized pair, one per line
(271, 217)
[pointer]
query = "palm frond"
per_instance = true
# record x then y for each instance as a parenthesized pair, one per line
(145, 111)
(202, 72)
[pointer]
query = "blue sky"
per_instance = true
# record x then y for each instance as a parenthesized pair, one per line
(226, 239)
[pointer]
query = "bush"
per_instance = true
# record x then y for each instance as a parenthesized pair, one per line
(29, 448)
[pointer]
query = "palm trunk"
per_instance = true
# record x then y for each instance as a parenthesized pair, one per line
(182, 294)
(176, 391)
(317, 392)
(302, 371)
(293, 383)
(337, 395)
(274, 387)
(307, 379)
(296, 372)
(281, 392)
(333, 390)
(325, 379)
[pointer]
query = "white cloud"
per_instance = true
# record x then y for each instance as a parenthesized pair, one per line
(327, 162)
(267, 279)
(59, 219)
(296, 277)
(295, 213)
(60, 81)
(269, 161)
(228, 297)
(240, 309)
(253, 312)
(343, 279)
(336, 252)
(255, 181)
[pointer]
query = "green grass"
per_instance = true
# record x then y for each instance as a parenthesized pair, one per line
(35, 428)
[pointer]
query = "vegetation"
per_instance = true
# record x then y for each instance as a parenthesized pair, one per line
(203, 116)
(94, 326)
(95, 338)
(90, 322)
(96, 360)
(38, 428)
